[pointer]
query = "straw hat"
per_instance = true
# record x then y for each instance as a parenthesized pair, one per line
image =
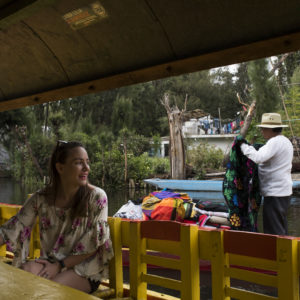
(271, 120)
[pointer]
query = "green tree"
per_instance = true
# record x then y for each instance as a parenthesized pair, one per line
(122, 114)
(263, 87)
(293, 101)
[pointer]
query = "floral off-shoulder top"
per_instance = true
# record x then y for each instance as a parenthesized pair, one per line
(60, 237)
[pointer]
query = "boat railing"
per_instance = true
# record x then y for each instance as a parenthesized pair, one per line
(266, 260)
(6, 212)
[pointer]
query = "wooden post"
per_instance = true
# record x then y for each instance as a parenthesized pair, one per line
(116, 264)
(288, 269)
(219, 260)
(177, 151)
(221, 129)
(190, 274)
(138, 288)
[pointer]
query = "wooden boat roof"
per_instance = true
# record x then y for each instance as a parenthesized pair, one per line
(56, 49)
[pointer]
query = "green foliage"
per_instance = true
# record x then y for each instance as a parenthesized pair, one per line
(122, 114)
(292, 103)
(203, 158)
(108, 169)
(133, 114)
(57, 120)
(91, 143)
(156, 143)
(136, 144)
(263, 87)
(254, 134)
(160, 165)
(42, 148)
(139, 167)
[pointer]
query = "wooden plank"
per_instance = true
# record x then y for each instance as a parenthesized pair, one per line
(249, 262)
(246, 295)
(259, 49)
(18, 284)
(259, 278)
(161, 230)
(162, 281)
(165, 262)
(250, 244)
(169, 247)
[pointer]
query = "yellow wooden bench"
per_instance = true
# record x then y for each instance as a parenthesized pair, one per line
(267, 260)
(232, 254)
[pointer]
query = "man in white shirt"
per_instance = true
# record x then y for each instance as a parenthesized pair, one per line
(274, 161)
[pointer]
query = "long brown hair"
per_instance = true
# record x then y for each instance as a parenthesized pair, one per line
(80, 199)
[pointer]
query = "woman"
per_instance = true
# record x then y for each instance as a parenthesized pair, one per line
(74, 234)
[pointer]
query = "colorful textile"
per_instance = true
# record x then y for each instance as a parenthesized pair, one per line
(165, 194)
(241, 189)
(212, 206)
(165, 205)
(60, 236)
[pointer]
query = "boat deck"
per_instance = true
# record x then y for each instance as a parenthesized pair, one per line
(267, 260)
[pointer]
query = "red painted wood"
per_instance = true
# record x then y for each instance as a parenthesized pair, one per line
(250, 244)
(161, 230)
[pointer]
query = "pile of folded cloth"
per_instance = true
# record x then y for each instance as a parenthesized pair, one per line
(177, 206)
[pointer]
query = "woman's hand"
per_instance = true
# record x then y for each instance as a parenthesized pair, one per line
(49, 270)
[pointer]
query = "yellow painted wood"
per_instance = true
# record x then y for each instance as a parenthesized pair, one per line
(190, 263)
(250, 262)
(3, 250)
(6, 212)
(247, 295)
(104, 293)
(116, 264)
(218, 261)
(288, 272)
(138, 288)
(170, 247)
(17, 284)
(187, 262)
(125, 233)
(151, 295)
(204, 240)
(259, 278)
(161, 261)
(162, 281)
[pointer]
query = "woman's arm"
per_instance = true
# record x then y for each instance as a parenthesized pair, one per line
(52, 269)
(74, 260)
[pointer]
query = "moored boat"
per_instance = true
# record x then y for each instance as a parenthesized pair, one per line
(194, 185)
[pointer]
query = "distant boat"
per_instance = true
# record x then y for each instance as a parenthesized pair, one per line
(195, 185)
(187, 185)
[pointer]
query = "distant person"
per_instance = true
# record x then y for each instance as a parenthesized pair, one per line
(274, 161)
(74, 234)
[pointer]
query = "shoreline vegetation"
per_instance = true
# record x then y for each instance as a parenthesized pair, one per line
(120, 127)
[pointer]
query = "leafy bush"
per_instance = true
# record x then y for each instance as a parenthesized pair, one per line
(108, 168)
(139, 167)
(160, 165)
(203, 158)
